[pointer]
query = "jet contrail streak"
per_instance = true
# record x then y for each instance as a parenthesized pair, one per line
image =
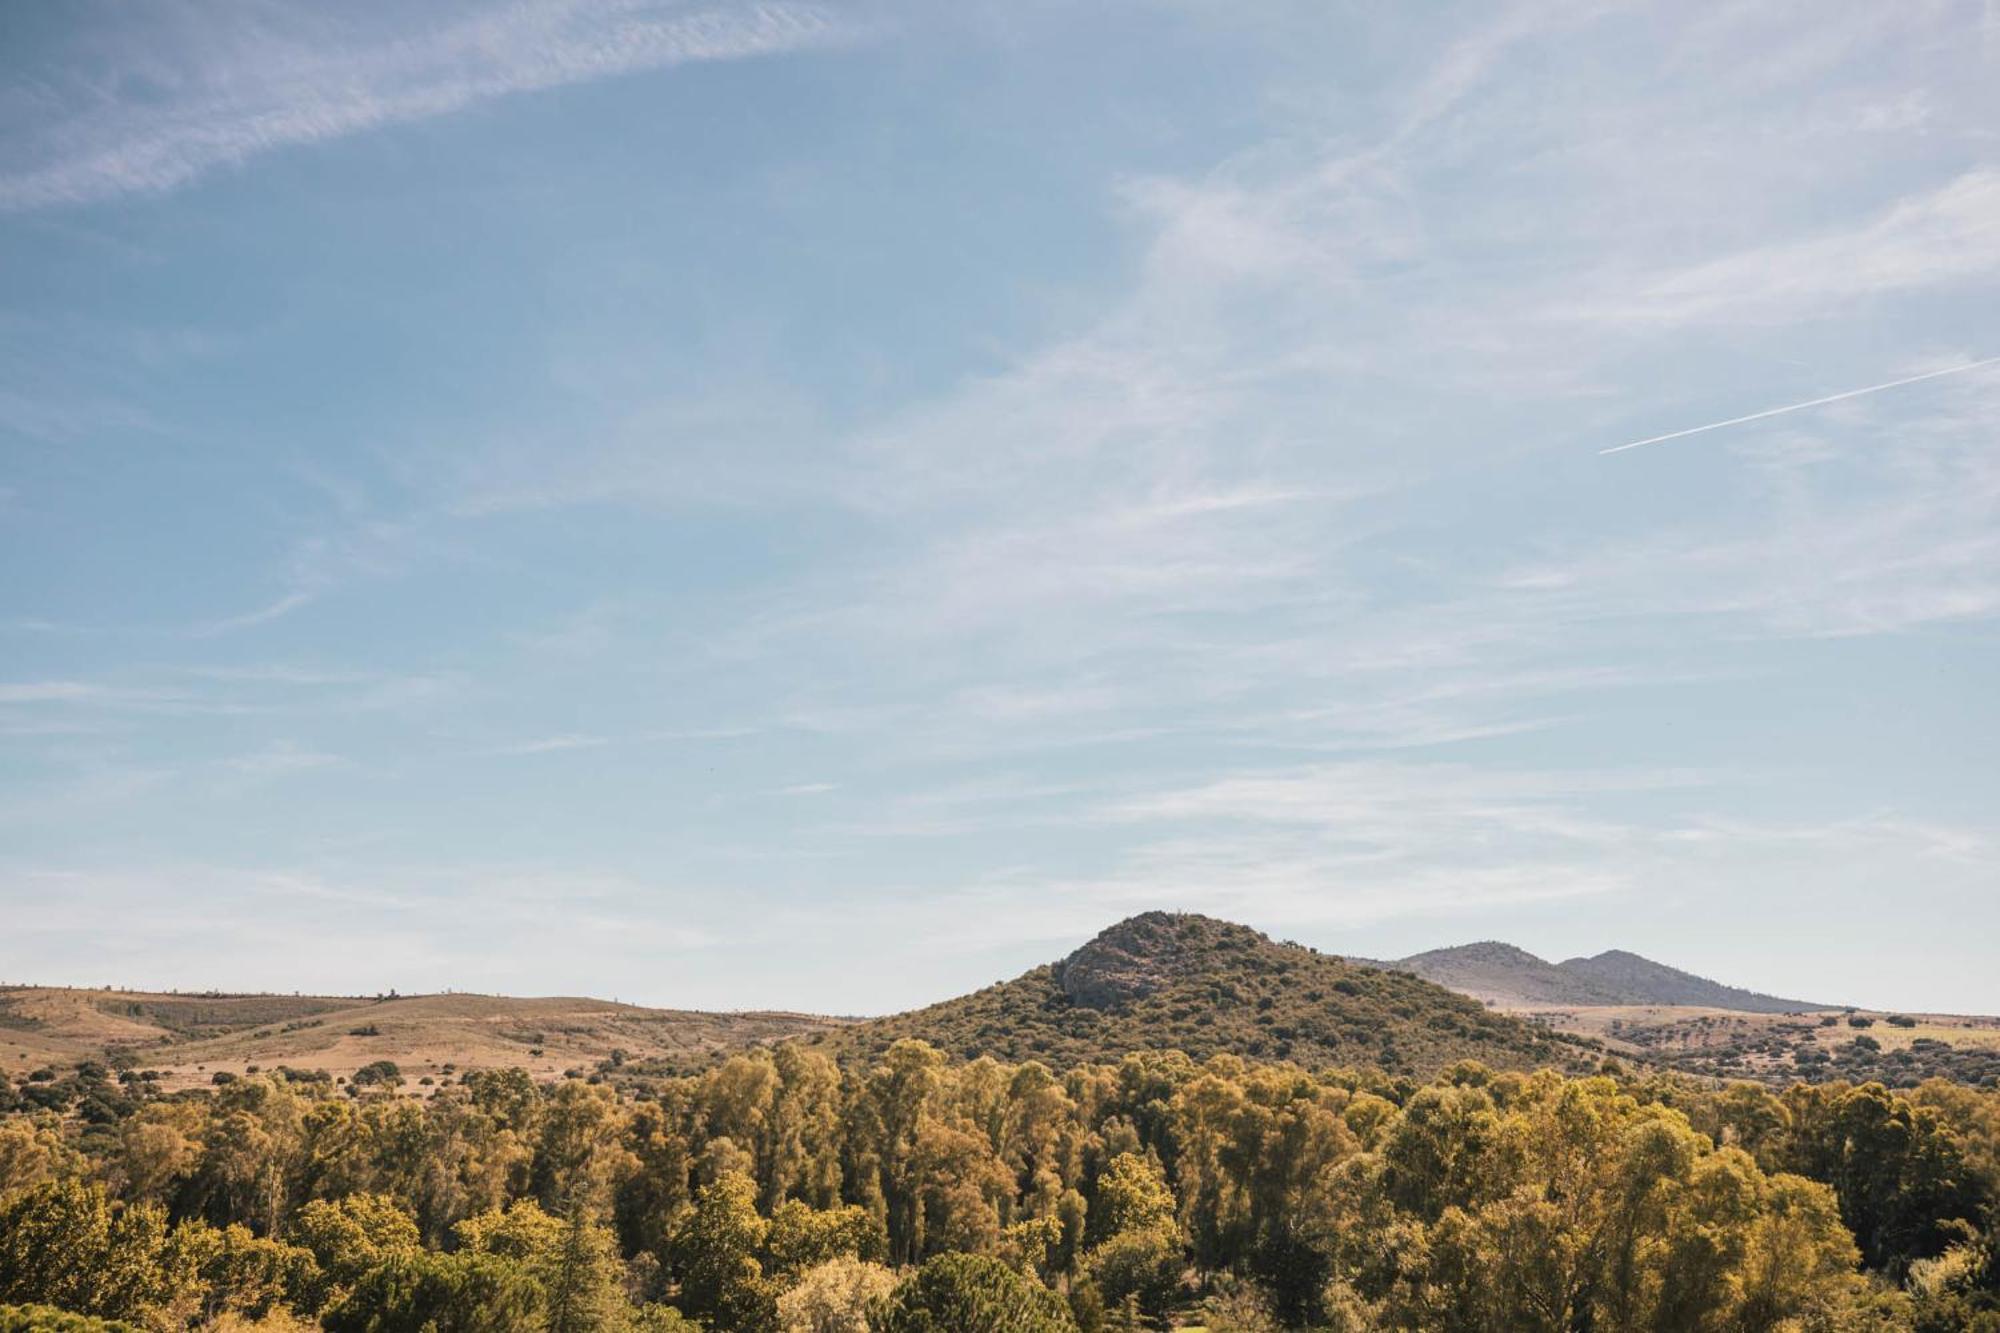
(1800, 407)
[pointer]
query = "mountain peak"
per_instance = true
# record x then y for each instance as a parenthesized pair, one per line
(1507, 975)
(1640, 980)
(1141, 954)
(1484, 951)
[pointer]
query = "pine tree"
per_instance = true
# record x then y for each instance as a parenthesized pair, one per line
(581, 1295)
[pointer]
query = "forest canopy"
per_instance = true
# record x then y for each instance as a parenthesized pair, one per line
(781, 1191)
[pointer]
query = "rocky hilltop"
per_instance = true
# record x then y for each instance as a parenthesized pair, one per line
(1144, 954)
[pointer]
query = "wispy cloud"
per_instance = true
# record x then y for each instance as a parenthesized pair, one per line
(1926, 239)
(551, 744)
(416, 928)
(55, 691)
(250, 82)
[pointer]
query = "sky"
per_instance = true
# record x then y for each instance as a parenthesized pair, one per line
(829, 504)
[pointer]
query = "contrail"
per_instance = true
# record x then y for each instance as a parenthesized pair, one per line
(1800, 407)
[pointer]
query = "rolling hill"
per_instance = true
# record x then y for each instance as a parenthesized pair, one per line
(1192, 983)
(1511, 978)
(190, 1038)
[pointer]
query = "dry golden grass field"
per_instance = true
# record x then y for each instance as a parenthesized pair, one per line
(189, 1038)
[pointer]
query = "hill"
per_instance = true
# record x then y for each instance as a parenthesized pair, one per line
(1506, 977)
(1648, 982)
(1511, 978)
(1192, 983)
(190, 1038)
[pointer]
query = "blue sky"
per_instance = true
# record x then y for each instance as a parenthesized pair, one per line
(826, 505)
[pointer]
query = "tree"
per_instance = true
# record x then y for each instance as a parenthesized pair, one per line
(210, 1272)
(582, 1284)
(714, 1254)
(835, 1297)
(352, 1236)
(1132, 1195)
(802, 1237)
(382, 1074)
(1901, 1174)
(63, 1243)
(972, 1293)
(1139, 1259)
(440, 1293)
(32, 1153)
(572, 1260)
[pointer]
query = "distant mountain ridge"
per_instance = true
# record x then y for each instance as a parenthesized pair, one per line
(1509, 977)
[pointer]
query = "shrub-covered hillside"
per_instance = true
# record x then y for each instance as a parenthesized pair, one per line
(1178, 981)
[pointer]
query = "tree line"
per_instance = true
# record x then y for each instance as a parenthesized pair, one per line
(781, 1192)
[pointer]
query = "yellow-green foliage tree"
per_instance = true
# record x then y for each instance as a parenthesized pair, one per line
(835, 1297)
(713, 1254)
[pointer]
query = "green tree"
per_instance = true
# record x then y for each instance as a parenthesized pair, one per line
(972, 1293)
(582, 1285)
(440, 1293)
(1901, 1174)
(802, 1237)
(350, 1237)
(382, 1074)
(1132, 1195)
(63, 1243)
(571, 1259)
(1140, 1257)
(714, 1254)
